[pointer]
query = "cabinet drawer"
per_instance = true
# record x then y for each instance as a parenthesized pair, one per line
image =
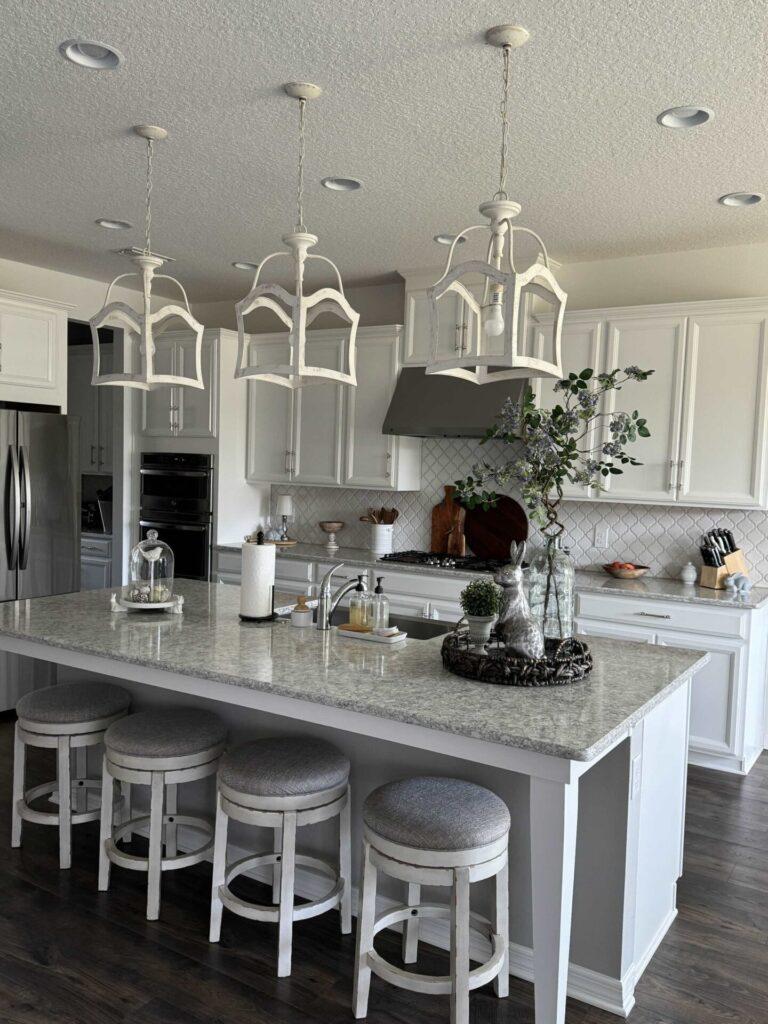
(430, 588)
(101, 547)
(291, 569)
(694, 618)
(229, 562)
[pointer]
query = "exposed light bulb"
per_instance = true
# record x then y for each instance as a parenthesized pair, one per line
(493, 318)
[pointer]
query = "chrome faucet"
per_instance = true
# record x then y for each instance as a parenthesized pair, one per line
(328, 601)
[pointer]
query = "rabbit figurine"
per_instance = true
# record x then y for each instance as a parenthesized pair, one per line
(516, 626)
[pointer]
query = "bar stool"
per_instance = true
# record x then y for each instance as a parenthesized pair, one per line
(72, 716)
(434, 831)
(282, 783)
(159, 749)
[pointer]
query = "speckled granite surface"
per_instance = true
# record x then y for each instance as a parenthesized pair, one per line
(651, 588)
(406, 684)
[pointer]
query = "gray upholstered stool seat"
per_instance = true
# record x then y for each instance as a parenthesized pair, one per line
(284, 766)
(73, 702)
(431, 813)
(166, 733)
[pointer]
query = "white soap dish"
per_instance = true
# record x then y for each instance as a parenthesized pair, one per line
(374, 638)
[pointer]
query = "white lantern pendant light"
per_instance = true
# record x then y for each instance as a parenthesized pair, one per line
(299, 310)
(141, 327)
(515, 317)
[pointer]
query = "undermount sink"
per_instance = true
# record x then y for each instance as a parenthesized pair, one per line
(416, 627)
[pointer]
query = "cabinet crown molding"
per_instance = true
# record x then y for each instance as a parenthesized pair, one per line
(35, 300)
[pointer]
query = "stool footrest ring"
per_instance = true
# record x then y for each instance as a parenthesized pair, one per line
(51, 789)
(135, 862)
(261, 912)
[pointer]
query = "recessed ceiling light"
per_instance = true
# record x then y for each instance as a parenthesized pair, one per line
(740, 199)
(449, 239)
(88, 53)
(684, 117)
(113, 225)
(342, 184)
(245, 265)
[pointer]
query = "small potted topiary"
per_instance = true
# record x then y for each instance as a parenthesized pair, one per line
(481, 601)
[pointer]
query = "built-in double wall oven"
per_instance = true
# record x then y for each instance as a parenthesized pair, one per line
(176, 499)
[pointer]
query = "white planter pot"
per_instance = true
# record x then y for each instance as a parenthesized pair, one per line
(382, 535)
(480, 628)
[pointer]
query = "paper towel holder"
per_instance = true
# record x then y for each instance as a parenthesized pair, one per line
(261, 618)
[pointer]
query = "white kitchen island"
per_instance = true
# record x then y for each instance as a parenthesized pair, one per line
(594, 773)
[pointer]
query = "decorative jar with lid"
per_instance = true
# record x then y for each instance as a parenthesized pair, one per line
(151, 571)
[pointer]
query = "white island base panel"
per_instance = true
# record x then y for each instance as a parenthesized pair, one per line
(594, 774)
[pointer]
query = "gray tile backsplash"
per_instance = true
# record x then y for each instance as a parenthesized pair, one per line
(664, 538)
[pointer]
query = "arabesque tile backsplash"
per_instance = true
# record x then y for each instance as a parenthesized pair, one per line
(663, 537)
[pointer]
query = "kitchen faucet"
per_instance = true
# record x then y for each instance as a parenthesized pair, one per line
(328, 601)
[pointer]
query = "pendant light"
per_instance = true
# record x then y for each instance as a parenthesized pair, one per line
(140, 328)
(513, 318)
(298, 310)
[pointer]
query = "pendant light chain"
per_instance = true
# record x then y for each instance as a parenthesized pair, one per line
(502, 193)
(148, 214)
(300, 183)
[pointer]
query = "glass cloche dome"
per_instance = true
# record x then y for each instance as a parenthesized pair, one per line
(151, 571)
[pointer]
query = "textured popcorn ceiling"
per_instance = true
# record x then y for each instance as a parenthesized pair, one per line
(410, 107)
(662, 537)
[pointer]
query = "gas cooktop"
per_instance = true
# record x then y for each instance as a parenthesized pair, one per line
(442, 561)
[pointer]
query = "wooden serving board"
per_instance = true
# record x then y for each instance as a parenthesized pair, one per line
(448, 525)
(490, 534)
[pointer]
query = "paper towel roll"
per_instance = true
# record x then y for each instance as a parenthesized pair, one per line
(257, 580)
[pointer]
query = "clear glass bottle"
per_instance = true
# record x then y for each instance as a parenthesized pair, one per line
(551, 577)
(360, 606)
(379, 606)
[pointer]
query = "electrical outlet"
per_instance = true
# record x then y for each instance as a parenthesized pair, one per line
(601, 535)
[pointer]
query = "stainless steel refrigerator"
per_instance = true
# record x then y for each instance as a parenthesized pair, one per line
(40, 548)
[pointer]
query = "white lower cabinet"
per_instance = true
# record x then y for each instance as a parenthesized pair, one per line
(728, 699)
(95, 562)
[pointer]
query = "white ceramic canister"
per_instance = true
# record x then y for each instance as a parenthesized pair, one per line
(382, 535)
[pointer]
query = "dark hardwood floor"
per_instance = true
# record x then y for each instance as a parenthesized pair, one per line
(71, 955)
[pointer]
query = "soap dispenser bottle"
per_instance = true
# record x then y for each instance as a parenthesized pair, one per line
(360, 606)
(379, 606)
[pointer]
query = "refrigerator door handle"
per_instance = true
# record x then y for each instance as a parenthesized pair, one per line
(13, 509)
(24, 537)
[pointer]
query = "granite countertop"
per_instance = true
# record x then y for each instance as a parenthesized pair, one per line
(651, 588)
(406, 683)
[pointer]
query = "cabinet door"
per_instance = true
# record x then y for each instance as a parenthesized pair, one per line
(724, 417)
(658, 344)
(159, 407)
(418, 335)
(270, 420)
(317, 412)
(82, 399)
(27, 347)
(95, 573)
(591, 627)
(105, 410)
(581, 349)
(370, 456)
(197, 409)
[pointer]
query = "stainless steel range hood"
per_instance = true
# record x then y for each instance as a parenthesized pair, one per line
(438, 406)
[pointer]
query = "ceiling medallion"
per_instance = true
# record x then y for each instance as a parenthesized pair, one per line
(489, 320)
(139, 328)
(298, 310)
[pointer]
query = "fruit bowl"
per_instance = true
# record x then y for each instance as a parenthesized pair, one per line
(626, 570)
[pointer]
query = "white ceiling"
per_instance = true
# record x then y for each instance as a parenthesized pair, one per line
(410, 107)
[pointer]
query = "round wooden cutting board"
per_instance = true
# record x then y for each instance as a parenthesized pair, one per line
(490, 534)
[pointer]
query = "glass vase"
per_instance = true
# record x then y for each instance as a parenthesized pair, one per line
(551, 577)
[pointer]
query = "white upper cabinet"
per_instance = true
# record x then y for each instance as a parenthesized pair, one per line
(652, 343)
(329, 434)
(171, 411)
(94, 407)
(723, 451)
(373, 459)
(33, 351)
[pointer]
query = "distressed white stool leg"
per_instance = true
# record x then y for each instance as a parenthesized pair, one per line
(219, 870)
(277, 846)
(125, 789)
(285, 918)
(64, 777)
(501, 927)
(365, 920)
(171, 829)
(105, 823)
(19, 764)
(345, 865)
(81, 774)
(154, 872)
(460, 947)
(411, 927)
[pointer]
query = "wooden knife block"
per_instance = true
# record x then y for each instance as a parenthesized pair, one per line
(714, 577)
